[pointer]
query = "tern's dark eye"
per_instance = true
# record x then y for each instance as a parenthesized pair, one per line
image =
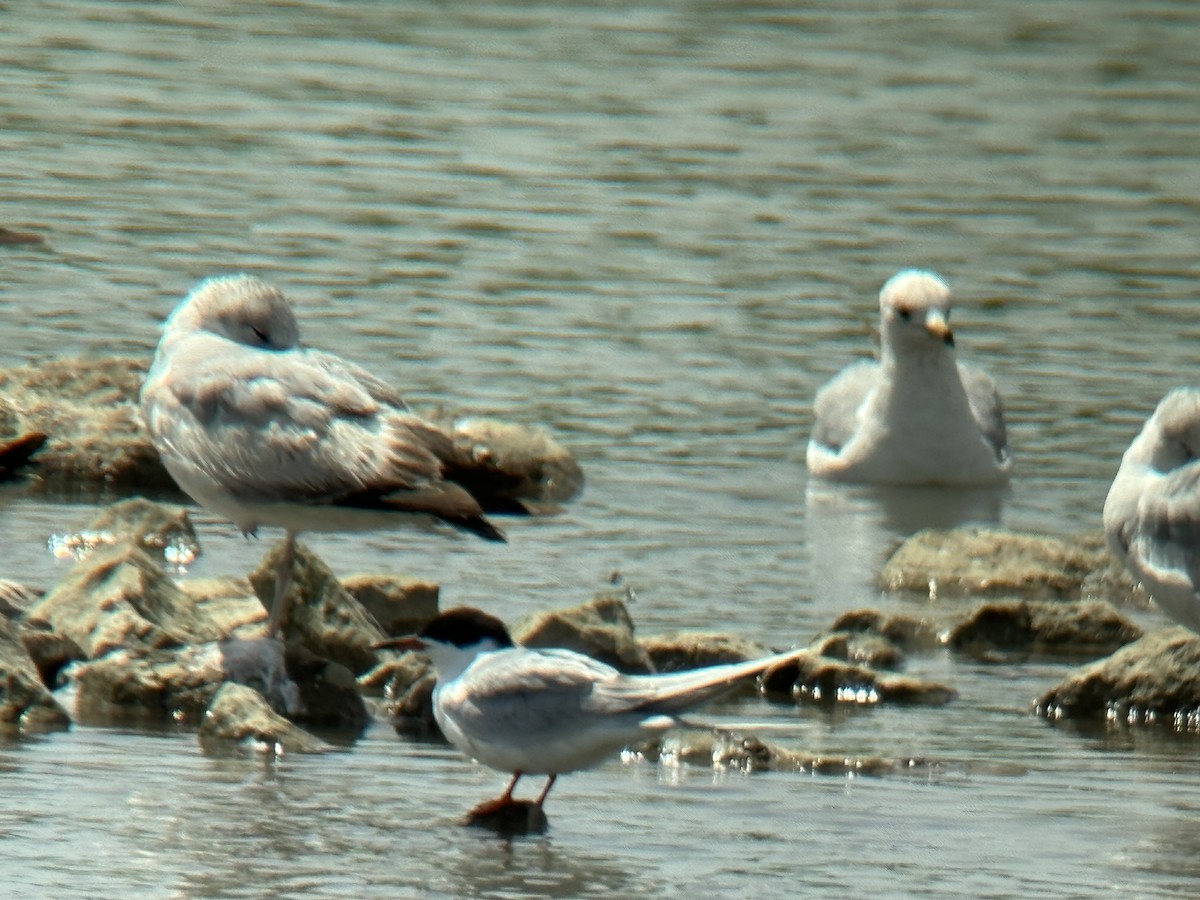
(904, 312)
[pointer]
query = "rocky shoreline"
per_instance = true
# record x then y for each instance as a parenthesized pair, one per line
(120, 640)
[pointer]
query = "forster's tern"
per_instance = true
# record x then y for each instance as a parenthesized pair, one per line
(1152, 512)
(917, 416)
(546, 712)
(264, 432)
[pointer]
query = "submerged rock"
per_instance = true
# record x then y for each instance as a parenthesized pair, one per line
(521, 817)
(602, 628)
(320, 614)
(1070, 628)
(969, 562)
(239, 715)
(1156, 679)
(748, 753)
(25, 703)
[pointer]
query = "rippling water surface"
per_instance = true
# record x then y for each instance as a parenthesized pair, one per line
(656, 229)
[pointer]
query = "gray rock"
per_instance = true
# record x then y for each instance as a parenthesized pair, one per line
(601, 628)
(970, 562)
(25, 703)
(1154, 680)
(400, 605)
(321, 615)
(239, 715)
(1064, 628)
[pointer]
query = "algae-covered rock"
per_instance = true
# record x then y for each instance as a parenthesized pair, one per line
(239, 715)
(407, 681)
(320, 614)
(173, 684)
(164, 531)
(400, 605)
(15, 453)
(861, 648)
(1068, 628)
(601, 628)
(905, 631)
(1156, 679)
(694, 649)
(515, 461)
(119, 598)
(328, 693)
(88, 408)
(969, 562)
(25, 703)
(809, 677)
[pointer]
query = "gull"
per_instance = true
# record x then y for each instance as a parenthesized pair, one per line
(918, 416)
(547, 712)
(1152, 512)
(262, 431)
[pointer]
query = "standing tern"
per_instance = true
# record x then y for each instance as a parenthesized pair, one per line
(265, 432)
(546, 712)
(918, 416)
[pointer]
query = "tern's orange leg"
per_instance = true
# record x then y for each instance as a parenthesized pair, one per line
(542, 796)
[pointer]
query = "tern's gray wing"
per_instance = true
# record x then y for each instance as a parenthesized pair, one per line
(677, 691)
(837, 405)
(986, 406)
(294, 427)
(526, 691)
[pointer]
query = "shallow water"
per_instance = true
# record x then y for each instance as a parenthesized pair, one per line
(656, 229)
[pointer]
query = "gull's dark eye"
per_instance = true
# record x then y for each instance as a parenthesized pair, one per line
(260, 334)
(904, 312)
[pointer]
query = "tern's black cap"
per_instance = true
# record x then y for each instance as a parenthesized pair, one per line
(464, 626)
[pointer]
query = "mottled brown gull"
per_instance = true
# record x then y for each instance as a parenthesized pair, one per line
(263, 431)
(1152, 512)
(918, 415)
